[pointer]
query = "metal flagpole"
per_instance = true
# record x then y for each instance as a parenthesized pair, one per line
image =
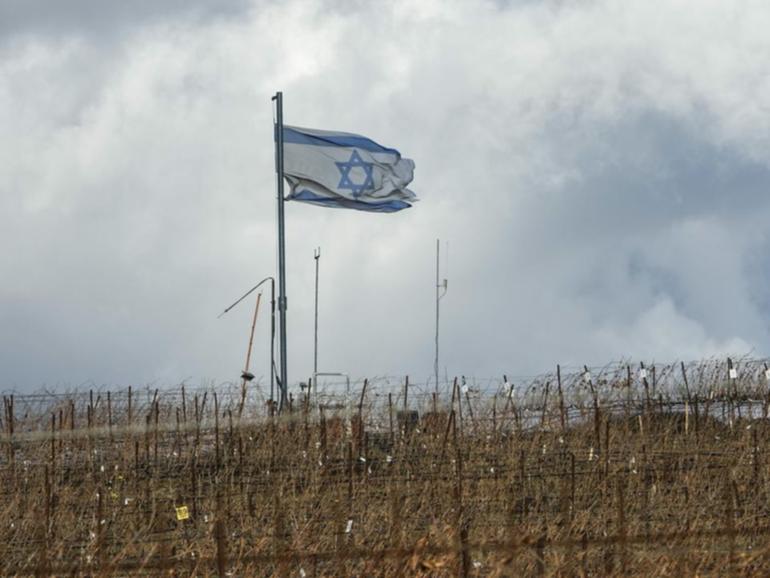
(317, 257)
(278, 98)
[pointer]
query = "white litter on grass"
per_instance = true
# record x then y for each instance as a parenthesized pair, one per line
(349, 527)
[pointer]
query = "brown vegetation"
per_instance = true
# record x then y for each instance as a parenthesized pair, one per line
(616, 474)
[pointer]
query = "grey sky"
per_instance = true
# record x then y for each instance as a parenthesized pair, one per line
(599, 169)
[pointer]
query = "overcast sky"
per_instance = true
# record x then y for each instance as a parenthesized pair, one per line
(599, 169)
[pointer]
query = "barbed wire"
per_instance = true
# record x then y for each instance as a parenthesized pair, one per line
(110, 478)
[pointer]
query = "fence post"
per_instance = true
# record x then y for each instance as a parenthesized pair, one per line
(540, 556)
(361, 418)
(562, 412)
(584, 553)
(730, 506)
(622, 533)
(53, 444)
(460, 521)
(220, 536)
(217, 450)
(279, 537)
(43, 568)
(689, 397)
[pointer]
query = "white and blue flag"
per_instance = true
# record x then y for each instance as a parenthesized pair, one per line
(339, 169)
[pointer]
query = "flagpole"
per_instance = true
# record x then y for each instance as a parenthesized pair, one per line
(278, 98)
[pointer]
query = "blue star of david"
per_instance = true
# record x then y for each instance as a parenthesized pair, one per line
(347, 183)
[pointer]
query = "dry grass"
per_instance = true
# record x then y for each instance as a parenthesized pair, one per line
(598, 476)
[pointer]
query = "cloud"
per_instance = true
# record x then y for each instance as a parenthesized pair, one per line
(94, 18)
(598, 169)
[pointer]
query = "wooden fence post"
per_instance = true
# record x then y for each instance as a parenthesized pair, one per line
(461, 524)
(622, 531)
(540, 556)
(220, 535)
(562, 412)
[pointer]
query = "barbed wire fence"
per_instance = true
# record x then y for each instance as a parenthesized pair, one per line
(648, 469)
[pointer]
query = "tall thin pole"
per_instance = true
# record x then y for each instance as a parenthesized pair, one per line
(317, 257)
(439, 295)
(435, 363)
(272, 339)
(281, 242)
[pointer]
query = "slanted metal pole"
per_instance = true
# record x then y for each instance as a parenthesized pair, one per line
(251, 337)
(282, 305)
(317, 257)
(272, 326)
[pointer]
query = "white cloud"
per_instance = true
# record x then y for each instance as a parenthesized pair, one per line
(598, 168)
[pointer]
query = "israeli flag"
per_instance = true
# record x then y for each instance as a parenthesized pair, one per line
(350, 171)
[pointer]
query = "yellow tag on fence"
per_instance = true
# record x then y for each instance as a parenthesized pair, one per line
(182, 513)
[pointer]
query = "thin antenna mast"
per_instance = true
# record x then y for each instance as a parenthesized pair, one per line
(317, 257)
(439, 295)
